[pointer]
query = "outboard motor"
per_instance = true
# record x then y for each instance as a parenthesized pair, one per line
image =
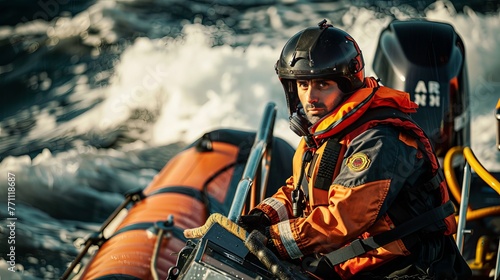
(427, 60)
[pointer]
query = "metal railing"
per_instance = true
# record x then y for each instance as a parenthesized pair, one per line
(462, 196)
(256, 171)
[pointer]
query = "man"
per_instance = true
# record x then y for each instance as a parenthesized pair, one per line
(366, 198)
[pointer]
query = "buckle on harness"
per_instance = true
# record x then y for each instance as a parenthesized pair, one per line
(434, 182)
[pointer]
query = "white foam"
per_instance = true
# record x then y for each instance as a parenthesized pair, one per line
(192, 86)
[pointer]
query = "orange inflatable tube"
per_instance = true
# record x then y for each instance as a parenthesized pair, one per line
(188, 188)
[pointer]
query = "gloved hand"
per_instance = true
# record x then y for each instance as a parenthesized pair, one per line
(257, 220)
(261, 245)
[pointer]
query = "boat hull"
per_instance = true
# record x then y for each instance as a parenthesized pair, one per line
(200, 180)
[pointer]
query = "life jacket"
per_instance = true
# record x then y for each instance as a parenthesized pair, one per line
(363, 110)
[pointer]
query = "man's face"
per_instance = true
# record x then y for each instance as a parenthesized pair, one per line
(318, 97)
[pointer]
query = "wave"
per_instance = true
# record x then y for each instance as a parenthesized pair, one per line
(98, 99)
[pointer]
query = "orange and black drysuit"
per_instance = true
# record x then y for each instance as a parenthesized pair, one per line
(380, 179)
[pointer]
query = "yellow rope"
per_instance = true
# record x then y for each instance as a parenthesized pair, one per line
(221, 220)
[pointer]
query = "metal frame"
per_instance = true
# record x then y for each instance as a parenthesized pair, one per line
(464, 203)
(471, 163)
(257, 168)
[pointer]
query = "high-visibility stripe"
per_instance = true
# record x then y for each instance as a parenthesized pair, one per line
(288, 241)
(278, 207)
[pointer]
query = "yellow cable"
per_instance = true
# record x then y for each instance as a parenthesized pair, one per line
(480, 170)
(478, 167)
(483, 213)
(449, 172)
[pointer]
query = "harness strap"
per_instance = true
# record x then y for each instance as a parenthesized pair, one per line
(361, 246)
(333, 147)
(327, 164)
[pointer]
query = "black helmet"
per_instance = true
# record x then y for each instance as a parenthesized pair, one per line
(320, 52)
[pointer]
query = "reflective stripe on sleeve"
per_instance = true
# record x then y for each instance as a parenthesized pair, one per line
(277, 206)
(288, 241)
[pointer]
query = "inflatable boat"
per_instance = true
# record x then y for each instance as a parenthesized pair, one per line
(141, 239)
(226, 172)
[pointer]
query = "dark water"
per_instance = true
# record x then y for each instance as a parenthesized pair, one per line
(96, 96)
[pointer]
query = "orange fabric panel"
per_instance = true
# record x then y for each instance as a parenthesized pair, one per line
(357, 104)
(187, 211)
(350, 210)
(193, 168)
(130, 253)
(409, 141)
